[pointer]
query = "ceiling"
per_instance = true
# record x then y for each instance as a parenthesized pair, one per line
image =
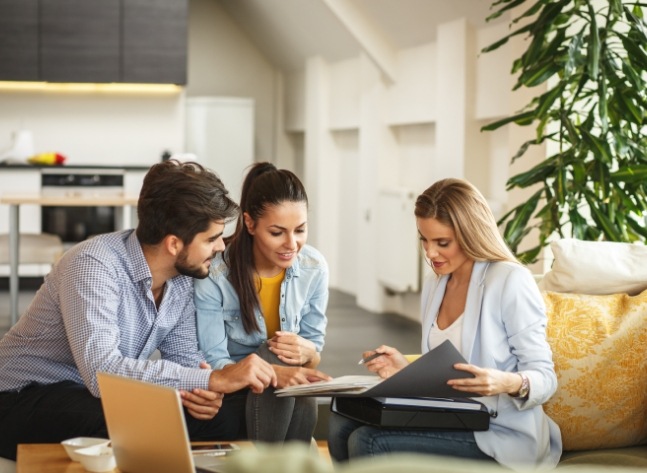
(290, 31)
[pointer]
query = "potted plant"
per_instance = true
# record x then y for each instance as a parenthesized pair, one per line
(593, 56)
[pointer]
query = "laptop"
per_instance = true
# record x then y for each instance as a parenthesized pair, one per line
(146, 427)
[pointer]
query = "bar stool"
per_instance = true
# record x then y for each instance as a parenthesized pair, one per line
(34, 249)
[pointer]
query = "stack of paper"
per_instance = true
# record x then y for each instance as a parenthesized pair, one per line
(343, 384)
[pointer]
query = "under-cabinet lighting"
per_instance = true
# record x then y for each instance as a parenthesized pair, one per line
(90, 87)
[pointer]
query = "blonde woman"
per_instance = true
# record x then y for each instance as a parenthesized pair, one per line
(488, 305)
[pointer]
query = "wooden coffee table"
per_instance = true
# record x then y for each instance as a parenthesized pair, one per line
(46, 458)
(51, 458)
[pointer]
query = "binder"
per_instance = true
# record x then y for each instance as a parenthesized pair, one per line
(470, 415)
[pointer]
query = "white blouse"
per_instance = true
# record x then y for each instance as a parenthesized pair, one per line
(453, 333)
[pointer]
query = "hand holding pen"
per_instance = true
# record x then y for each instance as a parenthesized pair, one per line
(384, 360)
(369, 358)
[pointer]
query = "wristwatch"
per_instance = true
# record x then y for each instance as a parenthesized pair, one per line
(524, 389)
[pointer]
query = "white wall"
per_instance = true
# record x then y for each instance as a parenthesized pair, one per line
(224, 62)
(105, 128)
(363, 134)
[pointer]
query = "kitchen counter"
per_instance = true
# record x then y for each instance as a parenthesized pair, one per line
(19, 167)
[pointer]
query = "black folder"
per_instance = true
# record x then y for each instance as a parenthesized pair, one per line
(387, 413)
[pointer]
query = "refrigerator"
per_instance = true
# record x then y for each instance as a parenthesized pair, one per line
(220, 132)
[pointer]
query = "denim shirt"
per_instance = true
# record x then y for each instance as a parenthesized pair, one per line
(302, 310)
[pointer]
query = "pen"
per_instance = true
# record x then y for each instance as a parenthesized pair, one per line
(369, 358)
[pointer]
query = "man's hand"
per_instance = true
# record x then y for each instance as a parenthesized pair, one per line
(293, 349)
(251, 371)
(293, 375)
(202, 404)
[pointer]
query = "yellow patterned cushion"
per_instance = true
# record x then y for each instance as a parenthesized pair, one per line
(599, 348)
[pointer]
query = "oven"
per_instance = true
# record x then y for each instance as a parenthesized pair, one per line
(75, 224)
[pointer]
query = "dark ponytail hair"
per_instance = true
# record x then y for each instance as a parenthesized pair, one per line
(264, 186)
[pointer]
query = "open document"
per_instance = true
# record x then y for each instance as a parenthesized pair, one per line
(425, 377)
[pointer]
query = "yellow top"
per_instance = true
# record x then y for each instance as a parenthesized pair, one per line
(269, 295)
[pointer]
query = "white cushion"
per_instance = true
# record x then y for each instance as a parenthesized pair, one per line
(596, 267)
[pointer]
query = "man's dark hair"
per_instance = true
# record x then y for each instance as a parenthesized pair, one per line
(181, 199)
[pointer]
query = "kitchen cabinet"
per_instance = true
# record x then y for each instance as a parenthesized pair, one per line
(80, 40)
(155, 41)
(19, 40)
(131, 41)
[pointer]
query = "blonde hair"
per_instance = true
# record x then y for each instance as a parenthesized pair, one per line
(459, 205)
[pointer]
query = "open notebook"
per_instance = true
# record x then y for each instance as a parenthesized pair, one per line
(147, 430)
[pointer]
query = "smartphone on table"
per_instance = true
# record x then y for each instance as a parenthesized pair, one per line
(213, 448)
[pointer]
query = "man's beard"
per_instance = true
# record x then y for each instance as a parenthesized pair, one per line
(182, 267)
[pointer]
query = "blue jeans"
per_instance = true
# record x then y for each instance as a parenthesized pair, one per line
(349, 439)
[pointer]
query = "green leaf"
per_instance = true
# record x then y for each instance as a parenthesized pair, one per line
(594, 46)
(516, 228)
(579, 225)
(501, 11)
(504, 40)
(539, 173)
(539, 74)
(524, 118)
(575, 56)
(529, 256)
(547, 99)
(638, 228)
(630, 107)
(635, 173)
(602, 106)
(610, 231)
(598, 147)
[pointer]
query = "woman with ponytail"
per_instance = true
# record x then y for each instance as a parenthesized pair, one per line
(266, 296)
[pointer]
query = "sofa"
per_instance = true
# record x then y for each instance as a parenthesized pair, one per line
(596, 304)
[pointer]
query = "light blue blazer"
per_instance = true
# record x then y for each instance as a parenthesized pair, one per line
(504, 328)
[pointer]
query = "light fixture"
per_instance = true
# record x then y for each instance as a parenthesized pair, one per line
(112, 87)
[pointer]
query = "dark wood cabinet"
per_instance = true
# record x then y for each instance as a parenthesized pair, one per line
(19, 40)
(133, 41)
(80, 40)
(154, 41)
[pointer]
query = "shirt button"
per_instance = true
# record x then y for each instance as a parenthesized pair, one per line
(283, 319)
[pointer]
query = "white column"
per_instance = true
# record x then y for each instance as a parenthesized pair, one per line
(453, 66)
(320, 164)
(371, 137)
